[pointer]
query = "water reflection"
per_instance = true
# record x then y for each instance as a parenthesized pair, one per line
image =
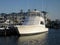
(39, 39)
(52, 37)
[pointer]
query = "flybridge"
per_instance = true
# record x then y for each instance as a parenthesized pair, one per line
(33, 13)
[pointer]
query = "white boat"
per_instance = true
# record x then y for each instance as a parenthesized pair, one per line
(33, 23)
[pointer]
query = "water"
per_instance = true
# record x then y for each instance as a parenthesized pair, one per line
(52, 37)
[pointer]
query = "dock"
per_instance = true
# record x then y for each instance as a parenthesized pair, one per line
(9, 32)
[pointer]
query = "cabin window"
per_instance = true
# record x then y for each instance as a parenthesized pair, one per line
(38, 14)
(42, 22)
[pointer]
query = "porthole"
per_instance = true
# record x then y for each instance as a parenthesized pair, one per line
(42, 22)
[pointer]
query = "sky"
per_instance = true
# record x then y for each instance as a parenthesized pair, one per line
(50, 6)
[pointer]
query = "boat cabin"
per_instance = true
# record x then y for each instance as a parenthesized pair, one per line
(34, 18)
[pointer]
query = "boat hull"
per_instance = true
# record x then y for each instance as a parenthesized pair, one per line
(31, 29)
